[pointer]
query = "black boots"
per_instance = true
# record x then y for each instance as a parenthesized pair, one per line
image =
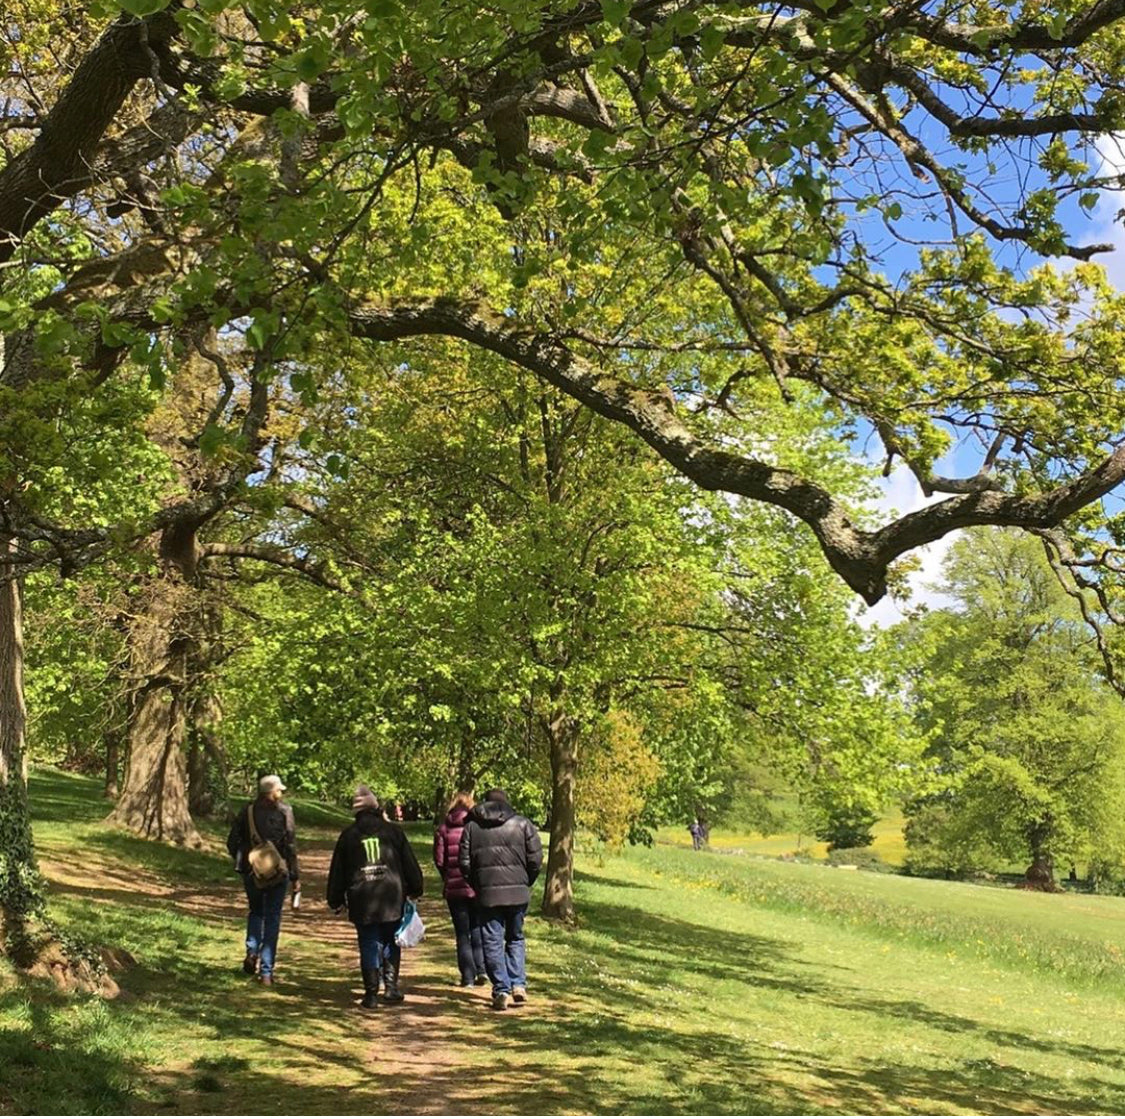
(370, 988)
(390, 982)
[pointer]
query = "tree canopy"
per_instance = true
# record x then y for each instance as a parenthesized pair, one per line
(663, 209)
(391, 298)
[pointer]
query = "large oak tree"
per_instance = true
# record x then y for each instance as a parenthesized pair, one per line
(699, 200)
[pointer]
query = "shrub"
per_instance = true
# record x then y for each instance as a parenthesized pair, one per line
(846, 825)
(863, 857)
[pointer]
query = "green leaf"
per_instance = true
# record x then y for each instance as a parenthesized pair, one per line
(615, 11)
(211, 440)
(143, 7)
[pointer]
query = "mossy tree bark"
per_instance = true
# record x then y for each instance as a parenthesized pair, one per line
(112, 743)
(207, 764)
(154, 794)
(558, 892)
(21, 887)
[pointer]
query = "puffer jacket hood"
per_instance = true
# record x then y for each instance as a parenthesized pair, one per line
(500, 854)
(492, 813)
(447, 843)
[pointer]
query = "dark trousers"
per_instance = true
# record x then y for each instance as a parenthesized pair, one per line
(470, 948)
(377, 944)
(263, 926)
(505, 951)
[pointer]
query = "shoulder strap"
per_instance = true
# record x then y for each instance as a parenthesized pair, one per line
(254, 836)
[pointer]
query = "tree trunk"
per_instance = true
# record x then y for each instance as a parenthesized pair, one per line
(558, 892)
(21, 888)
(207, 759)
(1041, 874)
(199, 796)
(153, 800)
(466, 774)
(112, 740)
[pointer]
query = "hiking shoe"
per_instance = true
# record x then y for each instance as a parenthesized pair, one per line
(250, 964)
(266, 980)
(481, 980)
(519, 995)
(500, 1001)
(370, 1000)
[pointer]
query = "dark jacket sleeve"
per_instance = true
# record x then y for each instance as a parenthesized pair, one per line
(236, 841)
(439, 850)
(533, 851)
(291, 842)
(338, 875)
(465, 852)
(411, 871)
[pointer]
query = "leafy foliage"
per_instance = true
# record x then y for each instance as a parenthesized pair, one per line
(1026, 736)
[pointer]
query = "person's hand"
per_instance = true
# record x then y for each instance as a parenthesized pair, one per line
(296, 885)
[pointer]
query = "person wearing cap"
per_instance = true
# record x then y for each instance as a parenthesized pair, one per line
(273, 822)
(373, 872)
(500, 855)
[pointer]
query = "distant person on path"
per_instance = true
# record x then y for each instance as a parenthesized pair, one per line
(459, 895)
(500, 857)
(696, 829)
(265, 820)
(373, 872)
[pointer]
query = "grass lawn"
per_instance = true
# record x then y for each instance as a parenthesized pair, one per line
(695, 983)
(889, 843)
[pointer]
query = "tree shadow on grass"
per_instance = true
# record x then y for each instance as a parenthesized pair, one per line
(614, 1004)
(579, 1049)
(581, 876)
(64, 1061)
(64, 798)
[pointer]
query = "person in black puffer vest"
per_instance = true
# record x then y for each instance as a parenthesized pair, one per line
(274, 820)
(373, 872)
(500, 857)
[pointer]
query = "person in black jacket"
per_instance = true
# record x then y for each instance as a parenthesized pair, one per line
(373, 872)
(500, 857)
(273, 819)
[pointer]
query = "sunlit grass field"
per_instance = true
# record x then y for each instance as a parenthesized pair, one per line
(888, 844)
(695, 983)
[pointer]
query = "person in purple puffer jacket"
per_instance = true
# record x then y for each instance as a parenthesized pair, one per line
(459, 895)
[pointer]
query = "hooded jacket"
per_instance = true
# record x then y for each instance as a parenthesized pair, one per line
(373, 870)
(274, 821)
(447, 847)
(500, 854)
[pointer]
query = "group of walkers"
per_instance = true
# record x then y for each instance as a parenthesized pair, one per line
(487, 854)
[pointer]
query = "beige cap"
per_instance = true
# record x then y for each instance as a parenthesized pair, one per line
(271, 784)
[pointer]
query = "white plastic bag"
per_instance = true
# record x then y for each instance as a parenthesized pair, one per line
(411, 931)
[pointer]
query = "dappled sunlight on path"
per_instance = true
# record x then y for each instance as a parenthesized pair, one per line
(405, 1058)
(673, 995)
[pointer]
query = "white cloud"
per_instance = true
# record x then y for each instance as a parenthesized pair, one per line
(1107, 226)
(902, 495)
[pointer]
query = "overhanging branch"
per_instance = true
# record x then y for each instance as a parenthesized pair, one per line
(860, 557)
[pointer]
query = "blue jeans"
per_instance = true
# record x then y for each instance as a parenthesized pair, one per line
(470, 948)
(377, 944)
(264, 923)
(505, 951)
